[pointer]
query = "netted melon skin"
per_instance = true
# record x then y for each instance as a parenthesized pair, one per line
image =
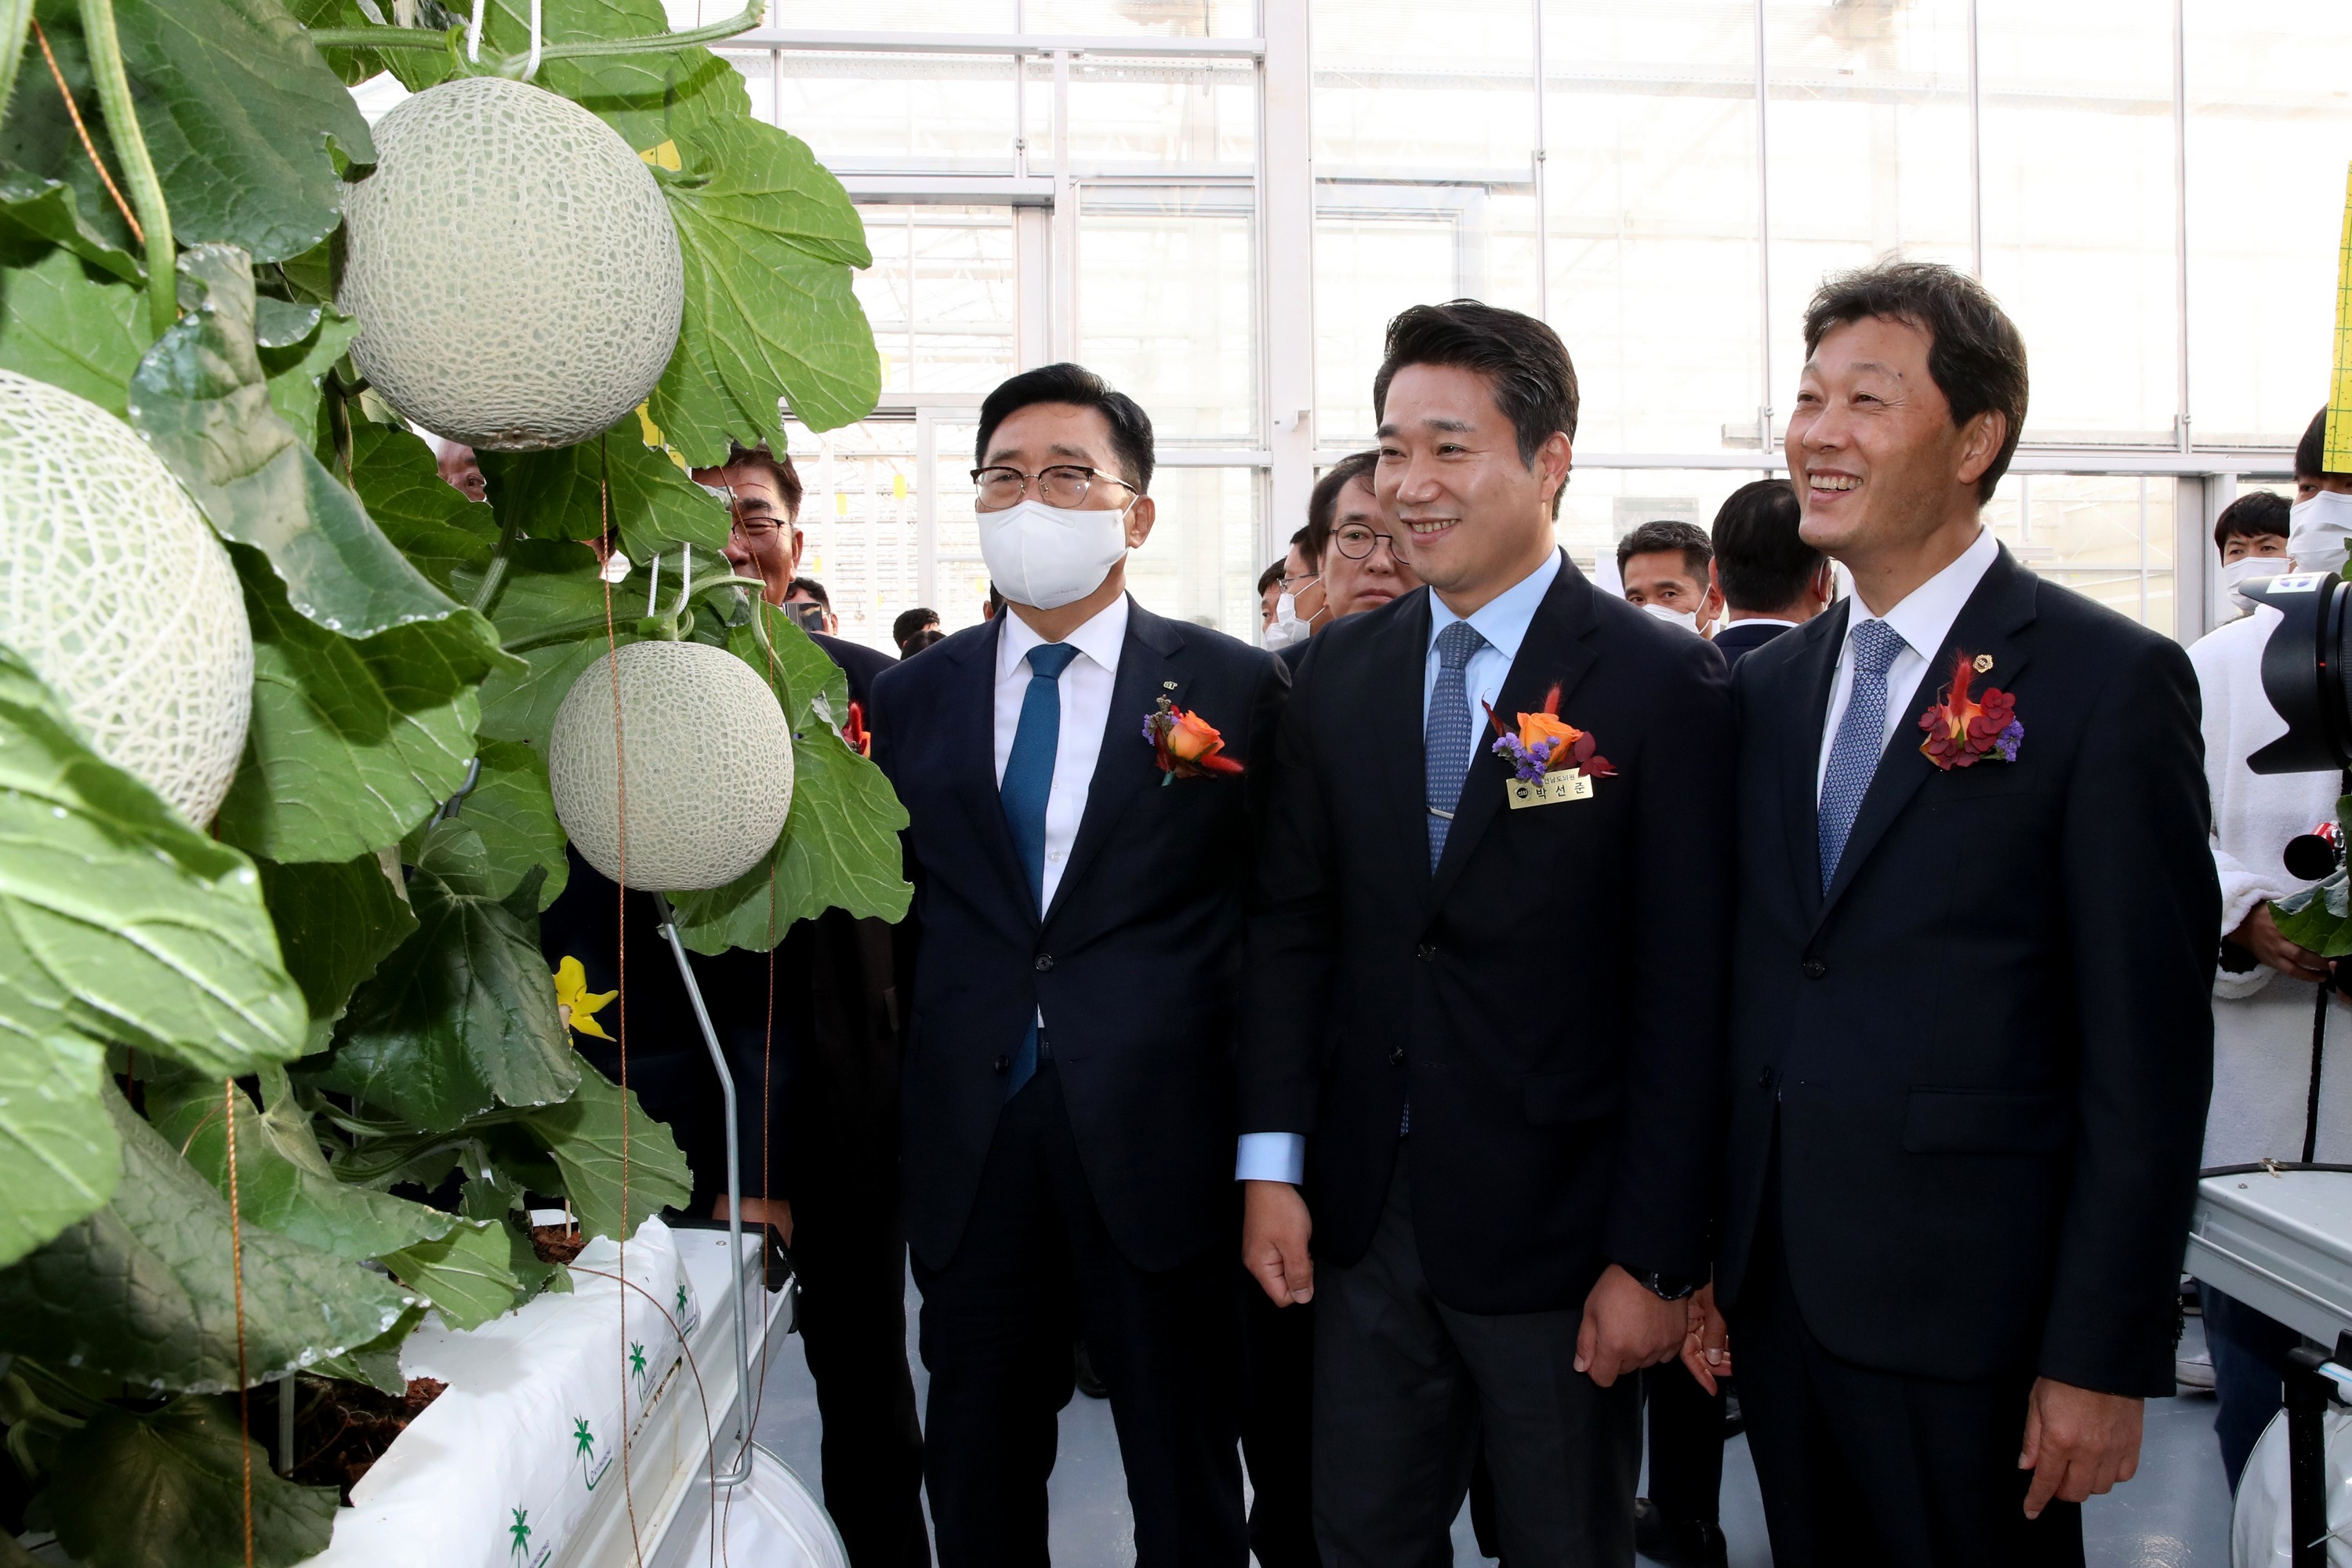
(114, 589)
(710, 760)
(513, 267)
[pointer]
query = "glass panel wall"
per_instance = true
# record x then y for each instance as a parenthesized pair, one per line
(1167, 306)
(941, 296)
(2109, 536)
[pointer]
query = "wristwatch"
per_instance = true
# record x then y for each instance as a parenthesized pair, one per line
(1667, 1287)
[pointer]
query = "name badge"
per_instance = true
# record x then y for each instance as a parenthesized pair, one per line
(1562, 785)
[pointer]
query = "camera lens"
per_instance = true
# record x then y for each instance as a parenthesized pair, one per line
(2303, 669)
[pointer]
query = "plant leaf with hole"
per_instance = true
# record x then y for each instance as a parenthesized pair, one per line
(582, 1136)
(166, 1489)
(463, 1017)
(142, 1291)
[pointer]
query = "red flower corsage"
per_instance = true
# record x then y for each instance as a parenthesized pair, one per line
(1185, 746)
(1964, 730)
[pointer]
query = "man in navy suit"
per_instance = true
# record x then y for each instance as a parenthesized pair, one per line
(1971, 1040)
(1076, 932)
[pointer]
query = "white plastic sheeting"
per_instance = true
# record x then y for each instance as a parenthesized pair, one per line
(2258, 1536)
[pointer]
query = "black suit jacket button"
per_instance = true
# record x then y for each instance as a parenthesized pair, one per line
(1764, 1079)
(1815, 968)
(1425, 952)
(1396, 1056)
(1044, 962)
(1002, 1064)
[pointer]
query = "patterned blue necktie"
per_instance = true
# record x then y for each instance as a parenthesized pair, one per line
(1861, 737)
(1028, 784)
(1445, 738)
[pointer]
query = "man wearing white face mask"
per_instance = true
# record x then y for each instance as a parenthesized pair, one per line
(1300, 612)
(1081, 779)
(1664, 565)
(2265, 991)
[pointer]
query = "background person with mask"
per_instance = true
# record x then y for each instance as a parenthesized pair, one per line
(1076, 944)
(1665, 570)
(2266, 990)
(1298, 612)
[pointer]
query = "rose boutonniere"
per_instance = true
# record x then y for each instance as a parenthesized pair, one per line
(1185, 746)
(1545, 742)
(1964, 730)
(854, 734)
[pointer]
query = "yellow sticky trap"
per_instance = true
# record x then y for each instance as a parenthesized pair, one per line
(664, 157)
(898, 487)
(840, 503)
(2338, 459)
(652, 433)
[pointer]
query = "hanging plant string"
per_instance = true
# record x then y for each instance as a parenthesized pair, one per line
(694, 1369)
(73, 113)
(138, 168)
(237, 1278)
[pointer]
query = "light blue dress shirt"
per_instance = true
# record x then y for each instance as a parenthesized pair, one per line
(1502, 621)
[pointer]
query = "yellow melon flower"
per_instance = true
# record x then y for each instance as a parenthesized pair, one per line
(575, 1004)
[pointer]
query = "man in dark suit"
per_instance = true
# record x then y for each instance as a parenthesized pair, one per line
(1770, 579)
(811, 1036)
(1473, 1025)
(1971, 1044)
(1077, 921)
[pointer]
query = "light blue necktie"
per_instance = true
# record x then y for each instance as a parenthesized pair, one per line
(1861, 737)
(1028, 784)
(1445, 737)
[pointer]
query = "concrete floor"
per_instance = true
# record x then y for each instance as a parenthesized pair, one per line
(2175, 1514)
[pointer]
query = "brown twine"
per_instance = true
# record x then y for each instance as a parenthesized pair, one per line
(73, 109)
(236, 1275)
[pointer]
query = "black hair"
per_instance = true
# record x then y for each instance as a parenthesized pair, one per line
(1976, 356)
(1658, 537)
(1323, 502)
(1130, 426)
(2311, 452)
(922, 640)
(788, 478)
(2257, 514)
(1526, 366)
(909, 622)
(1307, 550)
(1760, 559)
(1269, 577)
(812, 588)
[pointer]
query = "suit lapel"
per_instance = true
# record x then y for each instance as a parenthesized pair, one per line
(1393, 668)
(1810, 677)
(1148, 659)
(2002, 606)
(969, 714)
(1553, 650)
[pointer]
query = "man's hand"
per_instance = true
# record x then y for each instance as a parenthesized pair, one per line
(1626, 1328)
(1706, 1342)
(2259, 934)
(1274, 1229)
(2076, 1443)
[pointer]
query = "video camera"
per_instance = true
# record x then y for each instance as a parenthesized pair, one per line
(2304, 665)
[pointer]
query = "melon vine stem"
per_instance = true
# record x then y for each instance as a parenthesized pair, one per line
(15, 21)
(138, 168)
(594, 48)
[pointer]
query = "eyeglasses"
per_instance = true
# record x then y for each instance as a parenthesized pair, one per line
(757, 530)
(1356, 542)
(1061, 485)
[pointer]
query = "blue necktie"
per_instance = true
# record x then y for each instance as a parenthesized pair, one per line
(1028, 785)
(1446, 736)
(1861, 737)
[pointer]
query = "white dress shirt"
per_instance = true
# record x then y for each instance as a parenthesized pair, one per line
(1923, 620)
(1085, 686)
(1502, 621)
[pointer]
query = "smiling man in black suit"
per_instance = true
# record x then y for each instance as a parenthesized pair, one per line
(1473, 1028)
(1068, 1090)
(1971, 1042)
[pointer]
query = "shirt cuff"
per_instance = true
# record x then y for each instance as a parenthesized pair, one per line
(1271, 1157)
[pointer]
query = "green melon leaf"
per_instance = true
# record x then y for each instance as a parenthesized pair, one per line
(249, 129)
(582, 1136)
(283, 1181)
(59, 1157)
(551, 593)
(36, 212)
(654, 505)
(118, 921)
(377, 1363)
(294, 368)
(462, 1017)
(337, 921)
(202, 398)
(38, 136)
(142, 1291)
(166, 1489)
(464, 1274)
(65, 323)
(353, 743)
(429, 520)
(523, 707)
(513, 810)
